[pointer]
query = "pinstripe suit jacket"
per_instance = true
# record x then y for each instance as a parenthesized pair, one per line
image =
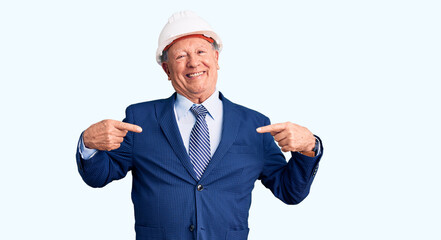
(169, 201)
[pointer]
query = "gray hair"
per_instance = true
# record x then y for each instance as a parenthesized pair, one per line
(164, 56)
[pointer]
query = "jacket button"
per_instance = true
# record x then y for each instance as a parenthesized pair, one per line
(191, 228)
(200, 187)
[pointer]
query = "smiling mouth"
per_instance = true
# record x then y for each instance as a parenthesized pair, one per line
(192, 75)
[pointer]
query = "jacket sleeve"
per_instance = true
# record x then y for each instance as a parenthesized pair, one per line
(106, 166)
(290, 182)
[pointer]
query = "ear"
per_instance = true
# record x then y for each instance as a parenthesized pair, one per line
(216, 55)
(166, 69)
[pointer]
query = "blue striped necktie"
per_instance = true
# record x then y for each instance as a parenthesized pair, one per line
(199, 148)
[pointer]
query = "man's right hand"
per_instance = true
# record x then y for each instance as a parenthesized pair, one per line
(108, 134)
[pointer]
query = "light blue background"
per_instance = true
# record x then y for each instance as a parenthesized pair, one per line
(363, 75)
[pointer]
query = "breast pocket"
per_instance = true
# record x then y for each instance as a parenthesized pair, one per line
(247, 158)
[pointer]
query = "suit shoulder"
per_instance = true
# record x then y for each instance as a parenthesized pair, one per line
(145, 105)
(250, 113)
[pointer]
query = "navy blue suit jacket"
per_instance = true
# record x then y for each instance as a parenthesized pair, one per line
(169, 201)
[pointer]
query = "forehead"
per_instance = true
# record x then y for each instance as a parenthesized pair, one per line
(189, 43)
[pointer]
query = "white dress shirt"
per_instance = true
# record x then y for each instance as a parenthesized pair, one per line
(186, 119)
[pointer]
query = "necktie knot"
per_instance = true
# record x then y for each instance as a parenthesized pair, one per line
(198, 110)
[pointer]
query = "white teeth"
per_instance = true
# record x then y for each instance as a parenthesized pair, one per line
(195, 74)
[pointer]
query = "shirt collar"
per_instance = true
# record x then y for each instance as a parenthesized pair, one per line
(213, 105)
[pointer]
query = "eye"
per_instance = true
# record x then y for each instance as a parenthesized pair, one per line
(201, 51)
(179, 56)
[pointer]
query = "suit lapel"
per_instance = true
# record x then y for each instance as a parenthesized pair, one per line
(230, 127)
(167, 120)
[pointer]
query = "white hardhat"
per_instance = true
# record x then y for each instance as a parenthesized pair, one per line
(182, 24)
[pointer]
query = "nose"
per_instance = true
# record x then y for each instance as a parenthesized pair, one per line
(193, 61)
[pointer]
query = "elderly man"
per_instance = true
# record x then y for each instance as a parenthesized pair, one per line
(195, 156)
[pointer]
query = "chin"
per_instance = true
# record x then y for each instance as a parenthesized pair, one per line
(199, 90)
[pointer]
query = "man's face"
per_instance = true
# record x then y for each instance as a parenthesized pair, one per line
(192, 68)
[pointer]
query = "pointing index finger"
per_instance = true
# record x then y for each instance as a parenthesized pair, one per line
(128, 127)
(273, 128)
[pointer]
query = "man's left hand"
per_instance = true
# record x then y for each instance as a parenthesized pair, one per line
(290, 136)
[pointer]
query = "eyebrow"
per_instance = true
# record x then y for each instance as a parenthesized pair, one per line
(182, 50)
